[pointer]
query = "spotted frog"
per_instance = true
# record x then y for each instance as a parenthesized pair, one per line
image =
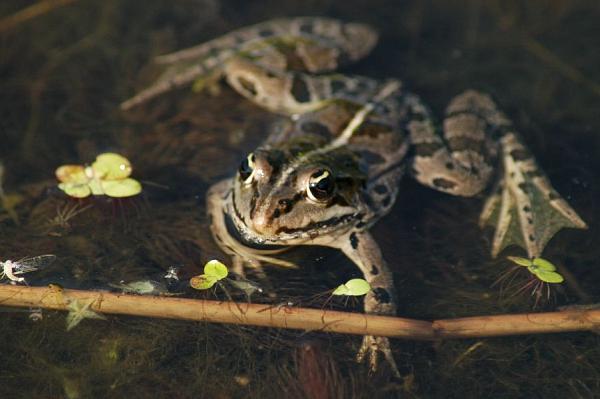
(327, 174)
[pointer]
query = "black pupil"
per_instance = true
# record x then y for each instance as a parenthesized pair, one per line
(245, 168)
(322, 188)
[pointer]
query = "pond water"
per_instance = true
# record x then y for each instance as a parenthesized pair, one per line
(63, 75)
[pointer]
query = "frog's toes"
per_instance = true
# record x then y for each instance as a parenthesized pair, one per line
(524, 209)
(370, 348)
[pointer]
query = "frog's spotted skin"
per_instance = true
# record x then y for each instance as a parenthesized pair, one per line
(316, 182)
(302, 44)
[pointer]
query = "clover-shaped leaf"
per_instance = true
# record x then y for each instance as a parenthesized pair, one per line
(541, 268)
(108, 175)
(213, 272)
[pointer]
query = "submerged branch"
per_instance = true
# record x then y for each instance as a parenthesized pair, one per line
(304, 318)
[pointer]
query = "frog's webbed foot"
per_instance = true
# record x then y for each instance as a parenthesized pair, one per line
(524, 209)
(370, 348)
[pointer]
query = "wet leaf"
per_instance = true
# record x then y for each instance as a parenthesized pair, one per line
(121, 188)
(111, 166)
(71, 174)
(354, 287)
(202, 282)
(76, 190)
(543, 264)
(108, 175)
(520, 261)
(216, 269)
(548, 276)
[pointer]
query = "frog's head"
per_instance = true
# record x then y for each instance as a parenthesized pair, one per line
(278, 196)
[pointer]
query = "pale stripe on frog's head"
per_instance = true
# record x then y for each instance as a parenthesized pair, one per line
(294, 190)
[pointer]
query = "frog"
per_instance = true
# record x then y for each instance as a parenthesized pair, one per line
(331, 169)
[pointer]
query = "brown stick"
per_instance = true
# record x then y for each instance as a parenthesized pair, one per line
(305, 318)
(518, 324)
(220, 312)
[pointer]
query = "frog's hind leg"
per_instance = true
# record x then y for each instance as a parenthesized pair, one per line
(309, 44)
(525, 210)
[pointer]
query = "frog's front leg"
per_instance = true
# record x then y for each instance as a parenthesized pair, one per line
(524, 209)
(361, 248)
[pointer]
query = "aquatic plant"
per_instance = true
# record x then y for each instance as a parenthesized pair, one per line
(354, 287)
(79, 310)
(214, 271)
(541, 268)
(108, 175)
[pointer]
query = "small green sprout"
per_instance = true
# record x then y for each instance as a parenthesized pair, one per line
(540, 268)
(213, 272)
(354, 287)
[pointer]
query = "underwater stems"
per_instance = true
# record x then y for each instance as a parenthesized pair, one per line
(305, 318)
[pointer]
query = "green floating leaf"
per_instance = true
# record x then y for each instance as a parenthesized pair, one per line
(354, 287)
(548, 276)
(213, 272)
(121, 188)
(541, 268)
(202, 282)
(111, 166)
(543, 264)
(75, 190)
(341, 290)
(520, 261)
(216, 269)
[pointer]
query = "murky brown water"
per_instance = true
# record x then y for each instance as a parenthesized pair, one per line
(63, 75)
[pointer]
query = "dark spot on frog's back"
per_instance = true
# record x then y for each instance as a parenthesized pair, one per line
(353, 240)
(426, 149)
(300, 90)
(306, 27)
(381, 295)
(265, 32)
(371, 129)
(337, 85)
(312, 127)
(371, 158)
(380, 189)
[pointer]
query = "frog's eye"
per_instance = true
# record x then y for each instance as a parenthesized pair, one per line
(247, 168)
(320, 186)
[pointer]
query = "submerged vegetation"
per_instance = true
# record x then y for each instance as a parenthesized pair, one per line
(64, 74)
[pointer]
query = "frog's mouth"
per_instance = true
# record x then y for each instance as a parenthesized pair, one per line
(249, 240)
